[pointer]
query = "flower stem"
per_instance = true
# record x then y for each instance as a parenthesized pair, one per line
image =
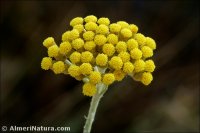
(93, 107)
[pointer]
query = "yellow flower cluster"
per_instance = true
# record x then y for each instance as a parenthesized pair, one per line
(96, 44)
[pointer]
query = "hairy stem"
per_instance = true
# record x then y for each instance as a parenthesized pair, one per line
(93, 107)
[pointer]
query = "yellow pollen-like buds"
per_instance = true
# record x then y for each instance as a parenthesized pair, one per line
(58, 67)
(108, 78)
(116, 63)
(46, 63)
(99, 52)
(89, 89)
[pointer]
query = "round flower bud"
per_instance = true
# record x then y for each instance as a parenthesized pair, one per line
(112, 38)
(108, 78)
(58, 67)
(119, 75)
(116, 63)
(147, 52)
(133, 28)
(89, 89)
(125, 56)
(66, 36)
(76, 21)
(90, 26)
(140, 38)
(100, 40)
(74, 70)
(121, 47)
(86, 68)
(77, 43)
(139, 65)
(46, 63)
(90, 18)
(75, 57)
(131, 44)
(146, 78)
(102, 29)
(136, 53)
(108, 49)
(73, 34)
(115, 28)
(126, 33)
(49, 42)
(89, 45)
(101, 60)
(88, 35)
(150, 43)
(128, 67)
(79, 27)
(86, 57)
(149, 66)
(95, 77)
(123, 24)
(104, 21)
(65, 47)
(53, 51)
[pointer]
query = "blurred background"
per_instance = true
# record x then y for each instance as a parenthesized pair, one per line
(31, 96)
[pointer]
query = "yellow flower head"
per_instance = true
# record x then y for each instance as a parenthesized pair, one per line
(58, 67)
(108, 49)
(90, 26)
(86, 68)
(147, 52)
(90, 18)
(100, 40)
(128, 67)
(101, 60)
(115, 28)
(131, 44)
(119, 75)
(73, 34)
(108, 78)
(88, 35)
(150, 43)
(136, 53)
(133, 28)
(79, 27)
(102, 29)
(86, 57)
(49, 42)
(53, 51)
(139, 65)
(77, 43)
(65, 47)
(123, 24)
(89, 89)
(95, 77)
(46, 63)
(126, 33)
(104, 21)
(125, 56)
(149, 66)
(121, 47)
(89, 45)
(99, 52)
(75, 57)
(76, 21)
(116, 63)
(112, 38)
(74, 70)
(146, 78)
(140, 38)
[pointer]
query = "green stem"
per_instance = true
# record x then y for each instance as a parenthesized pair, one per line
(93, 107)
